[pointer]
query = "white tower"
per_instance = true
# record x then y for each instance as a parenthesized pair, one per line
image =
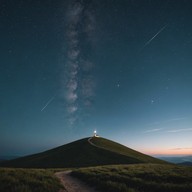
(95, 133)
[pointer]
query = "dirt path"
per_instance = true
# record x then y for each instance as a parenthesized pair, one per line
(89, 140)
(72, 184)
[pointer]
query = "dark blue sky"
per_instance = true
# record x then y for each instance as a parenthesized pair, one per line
(122, 67)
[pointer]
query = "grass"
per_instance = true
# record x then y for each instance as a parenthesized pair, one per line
(138, 178)
(28, 180)
(82, 154)
(123, 150)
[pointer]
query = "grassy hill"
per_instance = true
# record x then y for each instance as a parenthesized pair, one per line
(28, 180)
(123, 150)
(137, 178)
(82, 153)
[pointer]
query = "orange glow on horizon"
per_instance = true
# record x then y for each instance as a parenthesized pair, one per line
(176, 151)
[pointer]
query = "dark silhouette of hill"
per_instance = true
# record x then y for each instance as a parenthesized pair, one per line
(187, 163)
(83, 153)
(177, 159)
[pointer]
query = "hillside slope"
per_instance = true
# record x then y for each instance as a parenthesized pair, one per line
(123, 150)
(82, 154)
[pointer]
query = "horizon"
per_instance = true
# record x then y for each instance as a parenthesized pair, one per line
(144, 151)
(70, 67)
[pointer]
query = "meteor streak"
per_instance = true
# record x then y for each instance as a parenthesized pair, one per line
(148, 42)
(50, 100)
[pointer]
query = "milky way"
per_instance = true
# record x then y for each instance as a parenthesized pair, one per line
(79, 86)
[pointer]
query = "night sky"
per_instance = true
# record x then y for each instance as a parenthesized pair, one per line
(121, 67)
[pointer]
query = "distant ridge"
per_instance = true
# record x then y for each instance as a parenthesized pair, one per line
(177, 159)
(186, 163)
(83, 153)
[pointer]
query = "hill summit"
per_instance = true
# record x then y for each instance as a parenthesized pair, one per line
(86, 152)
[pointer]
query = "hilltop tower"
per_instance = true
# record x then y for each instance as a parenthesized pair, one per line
(95, 134)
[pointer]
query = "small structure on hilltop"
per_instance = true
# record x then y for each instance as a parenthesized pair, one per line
(95, 134)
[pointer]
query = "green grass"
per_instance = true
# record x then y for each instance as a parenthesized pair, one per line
(28, 180)
(121, 149)
(82, 154)
(138, 178)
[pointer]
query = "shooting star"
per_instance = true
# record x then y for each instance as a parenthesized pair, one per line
(148, 42)
(50, 100)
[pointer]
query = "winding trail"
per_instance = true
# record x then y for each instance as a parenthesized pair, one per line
(89, 140)
(72, 184)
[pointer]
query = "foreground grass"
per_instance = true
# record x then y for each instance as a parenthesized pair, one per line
(28, 180)
(138, 178)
